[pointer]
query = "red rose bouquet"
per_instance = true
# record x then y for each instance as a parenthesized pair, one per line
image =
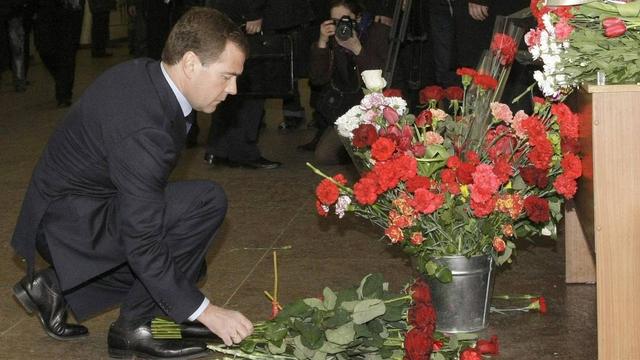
(442, 184)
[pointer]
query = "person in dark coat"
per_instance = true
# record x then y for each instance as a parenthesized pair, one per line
(12, 36)
(57, 36)
(336, 64)
(101, 211)
(100, 11)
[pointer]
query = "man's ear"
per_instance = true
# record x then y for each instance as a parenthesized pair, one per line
(190, 63)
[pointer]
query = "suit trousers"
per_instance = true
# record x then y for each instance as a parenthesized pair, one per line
(194, 211)
(234, 129)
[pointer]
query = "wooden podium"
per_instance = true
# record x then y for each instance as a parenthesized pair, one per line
(602, 224)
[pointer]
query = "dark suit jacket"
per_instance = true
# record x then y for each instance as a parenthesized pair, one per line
(101, 180)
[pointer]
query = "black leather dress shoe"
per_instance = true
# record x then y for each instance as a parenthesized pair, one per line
(213, 160)
(43, 297)
(139, 342)
(260, 163)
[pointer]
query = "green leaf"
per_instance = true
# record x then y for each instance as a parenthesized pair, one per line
(248, 346)
(376, 327)
(300, 350)
(349, 305)
(339, 318)
(371, 286)
(295, 309)
(395, 311)
(319, 355)
(362, 330)
(314, 303)
(443, 274)
(437, 356)
(343, 335)
(312, 336)
(502, 258)
(330, 299)
(346, 295)
(274, 349)
(275, 332)
(331, 348)
(367, 310)
(431, 268)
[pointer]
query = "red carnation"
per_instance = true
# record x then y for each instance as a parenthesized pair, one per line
(454, 93)
(431, 93)
(464, 173)
(614, 27)
(453, 162)
(482, 209)
(425, 118)
(488, 346)
(537, 209)
(418, 182)
(502, 169)
(405, 167)
(571, 165)
(418, 345)
(541, 154)
(485, 82)
(394, 233)
(327, 192)
(366, 191)
(382, 149)
(505, 46)
(437, 345)
(392, 92)
(427, 202)
(465, 71)
(534, 177)
(321, 209)
(420, 292)
(543, 305)
(340, 179)
(470, 354)
(566, 186)
(472, 157)
(365, 135)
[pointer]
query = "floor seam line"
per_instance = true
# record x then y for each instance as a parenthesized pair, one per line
(262, 257)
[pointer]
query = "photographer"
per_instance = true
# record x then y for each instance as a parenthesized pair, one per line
(349, 43)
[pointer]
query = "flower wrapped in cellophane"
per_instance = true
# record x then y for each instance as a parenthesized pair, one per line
(575, 43)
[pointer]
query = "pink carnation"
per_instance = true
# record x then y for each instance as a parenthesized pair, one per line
(438, 114)
(432, 137)
(516, 123)
(532, 38)
(563, 30)
(485, 183)
(501, 111)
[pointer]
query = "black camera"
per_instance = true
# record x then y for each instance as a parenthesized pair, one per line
(344, 28)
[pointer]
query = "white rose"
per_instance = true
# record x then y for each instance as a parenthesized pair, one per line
(373, 80)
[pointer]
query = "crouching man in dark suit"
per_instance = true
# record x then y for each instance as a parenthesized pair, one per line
(101, 211)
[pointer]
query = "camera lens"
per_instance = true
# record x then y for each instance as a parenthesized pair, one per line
(344, 28)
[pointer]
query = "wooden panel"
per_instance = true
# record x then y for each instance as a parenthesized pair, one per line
(616, 182)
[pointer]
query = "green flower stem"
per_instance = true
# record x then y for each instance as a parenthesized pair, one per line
(319, 172)
(406, 297)
(516, 297)
(243, 355)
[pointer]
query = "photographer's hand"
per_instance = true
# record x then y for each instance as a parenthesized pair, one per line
(327, 29)
(352, 43)
(254, 26)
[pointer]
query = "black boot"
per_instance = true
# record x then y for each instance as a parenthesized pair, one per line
(127, 343)
(42, 296)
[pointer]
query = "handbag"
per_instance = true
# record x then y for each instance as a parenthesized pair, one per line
(268, 72)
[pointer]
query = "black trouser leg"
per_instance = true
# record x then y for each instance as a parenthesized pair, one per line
(99, 32)
(195, 210)
(234, 129)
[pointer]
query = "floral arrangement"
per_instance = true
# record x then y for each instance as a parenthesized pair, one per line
(364, 322)
(576, 42)
(459, 183)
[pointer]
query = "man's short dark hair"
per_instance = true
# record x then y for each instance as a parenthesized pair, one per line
(204, 31)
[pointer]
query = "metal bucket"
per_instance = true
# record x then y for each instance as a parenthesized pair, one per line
(463, 304)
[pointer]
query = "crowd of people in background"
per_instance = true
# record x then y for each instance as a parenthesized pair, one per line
(441, 36)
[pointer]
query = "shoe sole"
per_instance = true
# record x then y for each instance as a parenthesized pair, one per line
(128, 354)
(27, 303)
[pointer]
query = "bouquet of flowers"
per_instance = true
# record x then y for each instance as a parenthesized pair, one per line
(575, 43)
(364, 322)
(438, 187)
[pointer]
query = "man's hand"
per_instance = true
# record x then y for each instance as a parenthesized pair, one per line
(254, 26)
(478, 12)
(231, 326)
(132, 11)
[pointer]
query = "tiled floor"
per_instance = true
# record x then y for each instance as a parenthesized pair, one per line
(268, 209)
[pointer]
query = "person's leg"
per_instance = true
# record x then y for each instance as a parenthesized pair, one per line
(69, 25)
(158, 25)
(442, 40)
(194, 211)
(100, 34)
